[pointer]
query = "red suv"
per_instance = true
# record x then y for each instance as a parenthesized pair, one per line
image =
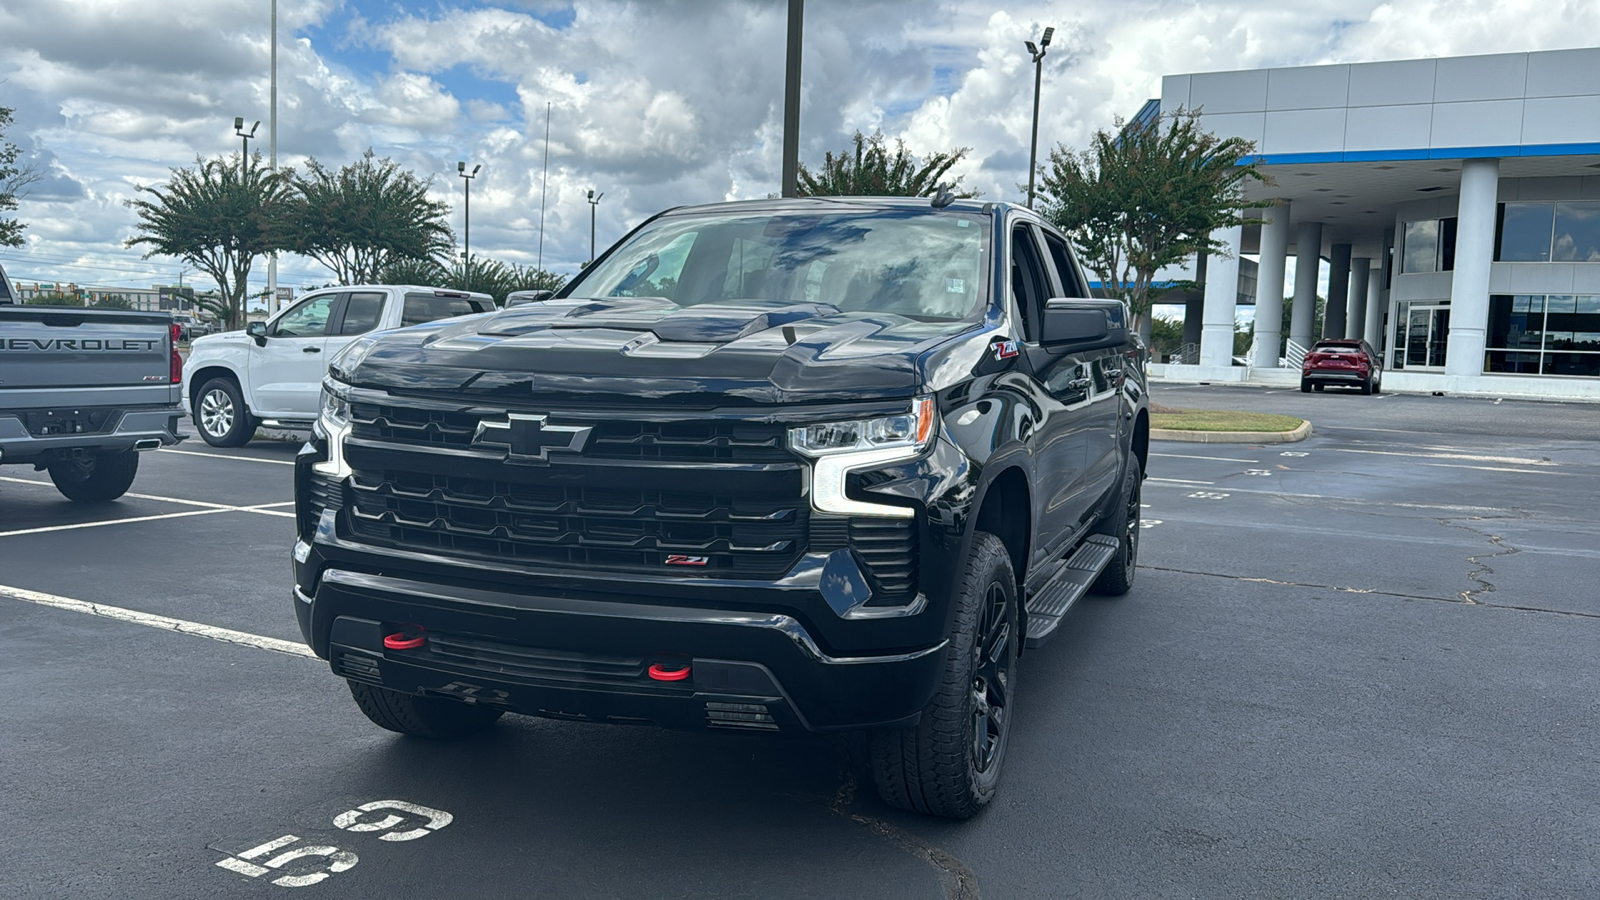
(1348, 363)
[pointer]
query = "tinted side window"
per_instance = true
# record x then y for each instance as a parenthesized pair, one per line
(1028, 284)
(309, 319)
(1062, 257)
(420, 308)
(362, 312)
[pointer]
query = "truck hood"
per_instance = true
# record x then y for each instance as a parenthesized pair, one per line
(651, 350)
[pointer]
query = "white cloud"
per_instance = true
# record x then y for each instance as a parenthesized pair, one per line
(655, 103)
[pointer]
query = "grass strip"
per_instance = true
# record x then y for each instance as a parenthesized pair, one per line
(1221, 420)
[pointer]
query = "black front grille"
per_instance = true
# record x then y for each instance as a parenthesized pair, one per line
(539, 521)
(496, 659)
(686, 441)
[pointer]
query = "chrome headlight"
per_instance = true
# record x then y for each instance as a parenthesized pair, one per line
(333, 424)
(839, 448)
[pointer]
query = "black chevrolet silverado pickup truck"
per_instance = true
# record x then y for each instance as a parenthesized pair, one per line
(785, 465)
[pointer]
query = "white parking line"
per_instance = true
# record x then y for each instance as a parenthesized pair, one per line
(263, 508)
(275, 462)
(260, 510)
(226, 635)
(1499, 469)
(1220, 458)
(1177, 481)
(1470, 457)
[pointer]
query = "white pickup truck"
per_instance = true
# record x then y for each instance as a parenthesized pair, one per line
(271, 373)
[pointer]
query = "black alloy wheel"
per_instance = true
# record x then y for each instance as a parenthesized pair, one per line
(994, 660)
(948, 764)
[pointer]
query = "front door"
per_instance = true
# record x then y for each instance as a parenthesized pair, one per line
(286, 371)
(1426, 337)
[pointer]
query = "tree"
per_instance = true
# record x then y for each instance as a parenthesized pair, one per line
(54, 298)
(486, 276)
(1147, 197)
(872, 171)
(113, 301)
(365, 216)
(217, 216)
(14, 180)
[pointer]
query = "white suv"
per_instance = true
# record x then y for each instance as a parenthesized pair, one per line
(271, 373)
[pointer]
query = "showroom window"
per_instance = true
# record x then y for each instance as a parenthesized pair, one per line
(1568, 231)
(1544, 334)
(1429, 246)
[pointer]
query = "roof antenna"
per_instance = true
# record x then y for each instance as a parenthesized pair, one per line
(944, 195)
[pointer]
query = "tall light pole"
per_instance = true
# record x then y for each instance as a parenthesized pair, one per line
(1038, 72)
(594, 204)
(461, 169)
(272, 159)
(238, 130)
(791, 101)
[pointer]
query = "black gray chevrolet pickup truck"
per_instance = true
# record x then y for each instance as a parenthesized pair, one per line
(83, 391)
(789, 465)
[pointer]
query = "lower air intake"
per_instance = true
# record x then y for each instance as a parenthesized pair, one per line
(357, 667)
(743, 716)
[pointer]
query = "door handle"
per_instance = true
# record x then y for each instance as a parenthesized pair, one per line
(310, 349)
(1079, 384)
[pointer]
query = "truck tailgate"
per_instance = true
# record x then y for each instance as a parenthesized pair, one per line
(56, 356)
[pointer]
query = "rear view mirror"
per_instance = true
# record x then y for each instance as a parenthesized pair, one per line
(1084, 324)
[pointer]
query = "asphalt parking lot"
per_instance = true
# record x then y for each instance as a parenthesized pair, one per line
(1359, 666)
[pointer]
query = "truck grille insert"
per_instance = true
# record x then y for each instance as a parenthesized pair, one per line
(688, 441)
(676, 532)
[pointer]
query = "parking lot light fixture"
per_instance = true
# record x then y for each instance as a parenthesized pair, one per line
(461, 169)
(594, 204)
(1038, 72)
(238, 130)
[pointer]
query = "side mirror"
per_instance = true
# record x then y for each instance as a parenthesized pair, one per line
(526, 298)
(1083, 324)
(257, 331)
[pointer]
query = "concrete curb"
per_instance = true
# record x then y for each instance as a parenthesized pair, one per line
(1233, 437)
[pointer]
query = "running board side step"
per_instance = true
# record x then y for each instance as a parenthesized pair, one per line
(1048, 606)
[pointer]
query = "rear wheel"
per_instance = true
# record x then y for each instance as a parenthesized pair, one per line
(429, 717)
(948, 764)
(1366, 385)
(1318, 386)
(97, 477)
(1117, 577)
(1305, 386)
(220, 414)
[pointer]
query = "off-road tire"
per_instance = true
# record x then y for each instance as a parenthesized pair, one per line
(95, 478)
(1117, 577)
(220, 415)
(934, 767)
(427, 717)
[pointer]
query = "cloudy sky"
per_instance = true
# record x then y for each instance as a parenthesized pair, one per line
(655, 103)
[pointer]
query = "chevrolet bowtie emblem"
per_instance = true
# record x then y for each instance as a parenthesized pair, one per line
(530, 438)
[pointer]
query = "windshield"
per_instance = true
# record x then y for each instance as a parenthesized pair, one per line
(922, 263)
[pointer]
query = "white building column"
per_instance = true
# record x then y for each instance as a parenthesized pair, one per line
(1269, 286)
(1333, 318)
(1308, 258)
(1222, 295)
(1469, 284)
(1373, 332)
(1360, 276)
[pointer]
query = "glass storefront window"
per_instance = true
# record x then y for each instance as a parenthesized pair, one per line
(1421, 247)
(1556, 334)
(1577, 232)
(1524, 232)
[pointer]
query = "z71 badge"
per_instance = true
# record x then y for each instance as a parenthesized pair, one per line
(679, 560)
(1004, 349)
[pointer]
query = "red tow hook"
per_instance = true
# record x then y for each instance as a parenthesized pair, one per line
(409, 637)
(669, 671)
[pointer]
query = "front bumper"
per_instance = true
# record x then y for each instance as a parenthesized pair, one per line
(124, 430)
(570, 657)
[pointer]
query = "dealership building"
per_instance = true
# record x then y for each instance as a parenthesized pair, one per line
(1455, 201)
